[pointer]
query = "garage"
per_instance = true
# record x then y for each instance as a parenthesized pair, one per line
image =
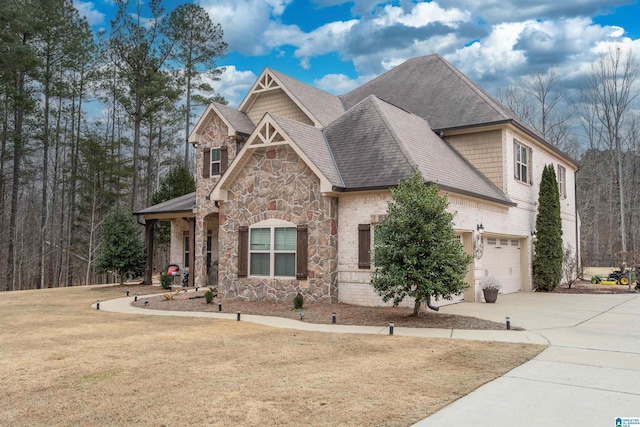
(502, 260)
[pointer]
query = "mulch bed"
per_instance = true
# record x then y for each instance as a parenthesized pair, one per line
(346, 314)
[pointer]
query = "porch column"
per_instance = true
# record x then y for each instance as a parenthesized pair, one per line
(192, 248)
(148, 241)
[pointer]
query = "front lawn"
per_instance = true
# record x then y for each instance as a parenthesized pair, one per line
(63, 363)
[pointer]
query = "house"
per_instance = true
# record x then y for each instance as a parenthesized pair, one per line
(291, 184)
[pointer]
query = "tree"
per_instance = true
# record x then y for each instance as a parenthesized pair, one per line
(547, 262)
(176, 183)
(416, 252)
(196, 44)
(122, 249)
(139, 52)
(611, 91)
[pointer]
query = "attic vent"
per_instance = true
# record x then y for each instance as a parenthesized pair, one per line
(267, 82)
(268, 134)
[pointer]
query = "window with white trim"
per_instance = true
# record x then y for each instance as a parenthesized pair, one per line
(272, 250)
(562, 181)
(522, 162)
(215, 161)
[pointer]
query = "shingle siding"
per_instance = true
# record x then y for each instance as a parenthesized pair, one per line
(277, 103)
(484, 151)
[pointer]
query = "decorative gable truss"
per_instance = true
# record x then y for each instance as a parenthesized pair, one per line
(267, 134)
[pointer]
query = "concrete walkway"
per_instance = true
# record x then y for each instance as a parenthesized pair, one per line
(588, 376)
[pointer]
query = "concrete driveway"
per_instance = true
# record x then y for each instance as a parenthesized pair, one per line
(589, 376)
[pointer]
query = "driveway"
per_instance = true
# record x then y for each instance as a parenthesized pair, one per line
(589, 376)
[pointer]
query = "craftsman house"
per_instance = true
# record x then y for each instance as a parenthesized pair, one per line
(291, 184)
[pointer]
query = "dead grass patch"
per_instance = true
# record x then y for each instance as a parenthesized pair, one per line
(63, 363)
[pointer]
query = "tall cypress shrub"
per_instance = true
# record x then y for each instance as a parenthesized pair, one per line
(547, 263)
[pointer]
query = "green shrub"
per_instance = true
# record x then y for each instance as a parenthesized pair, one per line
(298, 300)
(209, 296)
(166, 281)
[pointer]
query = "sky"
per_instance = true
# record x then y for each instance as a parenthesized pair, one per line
(337, 45)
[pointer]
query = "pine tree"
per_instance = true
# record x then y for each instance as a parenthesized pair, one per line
(547, 263)
(122, 248)
(416, 252)
(177, 182)
(196, 44)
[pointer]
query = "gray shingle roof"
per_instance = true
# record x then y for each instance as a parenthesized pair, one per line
(184, 203)
(312, 142)
(237, 119)
(432, 88)
(376, 144)
(322, 105)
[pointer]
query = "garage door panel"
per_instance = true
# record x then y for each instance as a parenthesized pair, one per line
(502, 260)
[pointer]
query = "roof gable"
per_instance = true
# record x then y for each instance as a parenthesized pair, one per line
(236, 121)
(273, 131)
(320, 107)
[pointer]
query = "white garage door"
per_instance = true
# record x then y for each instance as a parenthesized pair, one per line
(501, 259)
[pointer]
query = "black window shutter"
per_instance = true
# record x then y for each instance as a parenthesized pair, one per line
(301, 252)
(243, 250)
(224, 160)
(364, 245)
(206, 163)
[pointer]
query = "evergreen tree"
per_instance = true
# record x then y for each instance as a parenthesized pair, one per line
(547, 263)
(122, 248)
(416, 252)
(196, 44)
(177, 182)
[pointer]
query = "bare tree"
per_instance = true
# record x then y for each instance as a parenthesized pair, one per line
(610, 92)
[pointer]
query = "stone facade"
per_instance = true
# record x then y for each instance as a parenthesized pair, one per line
(215, 134)
(275, 183)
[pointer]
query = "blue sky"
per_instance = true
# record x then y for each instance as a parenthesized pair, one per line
(337, 45)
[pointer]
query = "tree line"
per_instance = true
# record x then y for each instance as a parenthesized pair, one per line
(90, 122)
(597, 124)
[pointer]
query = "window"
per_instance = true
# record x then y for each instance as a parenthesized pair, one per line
(504, 242)
(562, 181)
(272, 251)
(215, 161)
(522, 155)
(491, 241)
(186, 249)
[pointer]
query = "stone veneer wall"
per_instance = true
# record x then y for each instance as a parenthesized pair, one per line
(276, 183)
(215, 134)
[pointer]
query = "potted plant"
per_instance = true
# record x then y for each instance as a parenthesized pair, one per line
(490, 287)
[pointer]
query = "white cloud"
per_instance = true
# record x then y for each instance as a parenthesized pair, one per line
(421, 14)
(234, 84)
(245, 22)
(88, 10)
